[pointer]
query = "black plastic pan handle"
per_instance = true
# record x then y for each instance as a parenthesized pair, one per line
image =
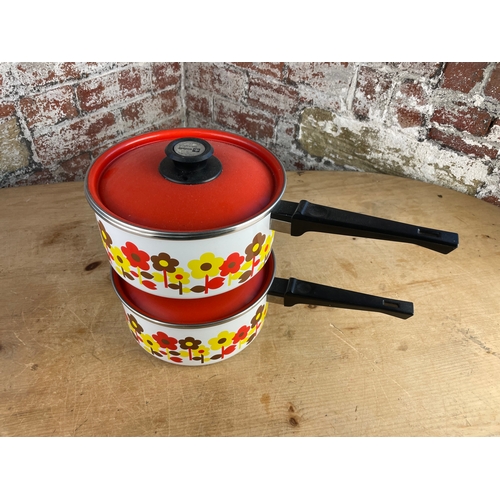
(297, 218)
(293, 291)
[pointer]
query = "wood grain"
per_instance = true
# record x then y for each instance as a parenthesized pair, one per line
(69, 366)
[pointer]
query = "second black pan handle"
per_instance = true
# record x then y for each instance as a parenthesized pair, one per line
(304, 216)
(293, 291)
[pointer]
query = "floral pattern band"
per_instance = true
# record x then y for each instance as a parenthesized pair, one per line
(193, 349)
(201, 275)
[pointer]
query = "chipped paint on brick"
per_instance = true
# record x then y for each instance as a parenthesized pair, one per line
(436, 122)
(372, 148)
(13, 151)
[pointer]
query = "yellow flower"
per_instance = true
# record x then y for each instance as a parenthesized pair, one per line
(264, 314)
(207, 265)
(201, 351)
(266, 247)
(265, 250)
(150, 342)
(224, 339)
(246, 265)
(179, 276)
(158, 277)
(120, 260)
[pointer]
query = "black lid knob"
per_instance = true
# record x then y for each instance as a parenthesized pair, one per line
(190, 161)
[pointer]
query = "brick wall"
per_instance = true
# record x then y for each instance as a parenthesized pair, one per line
(437, 122)
(56, 118)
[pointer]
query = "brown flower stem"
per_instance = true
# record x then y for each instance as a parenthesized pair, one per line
(165, 278)
(180, 287)
(202, 359)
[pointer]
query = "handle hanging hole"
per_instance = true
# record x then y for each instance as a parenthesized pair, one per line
(390, 303)
(429, 232)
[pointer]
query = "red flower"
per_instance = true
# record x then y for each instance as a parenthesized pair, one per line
(165, 341)
(232, 264)
(136, 257)
(241, 334)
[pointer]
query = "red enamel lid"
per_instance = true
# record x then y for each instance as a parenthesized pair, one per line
(198, 312)
(185, 180)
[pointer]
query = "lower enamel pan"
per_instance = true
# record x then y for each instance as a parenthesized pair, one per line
(198, 331)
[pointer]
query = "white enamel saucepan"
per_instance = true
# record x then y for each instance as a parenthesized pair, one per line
(207, 330)
(190, 213)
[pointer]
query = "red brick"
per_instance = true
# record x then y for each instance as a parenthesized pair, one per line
(458, 144)
(165, 75)
(7, 109)
(50, 107)
(129, 82)
(151, 109)
(94, 94)
(413, 91)
(105, 90)
(273, 97)
(409, 117)
(272, 69)
(469, 119)
(372, 91)
(44, 73)
(168, 102)
(77, 137)
(220, 81)
(248, 122)
(198, 104)
(38, 176)
(492, 88)
(74, 168)
(407, 104)
(463, 76)
(492, 199)
(328, 76)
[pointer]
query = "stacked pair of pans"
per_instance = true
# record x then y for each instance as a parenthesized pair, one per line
(187, 218)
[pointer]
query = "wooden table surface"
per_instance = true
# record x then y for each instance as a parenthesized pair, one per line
(70, 367)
